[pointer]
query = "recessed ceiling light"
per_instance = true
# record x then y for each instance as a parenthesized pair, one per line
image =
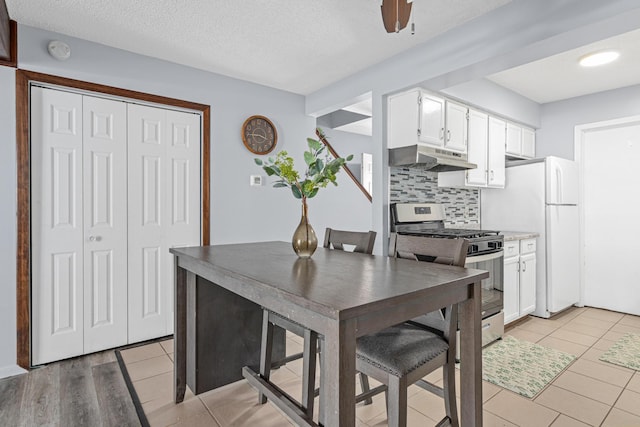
(599, 58)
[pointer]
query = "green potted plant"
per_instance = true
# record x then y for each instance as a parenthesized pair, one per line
(321, 170)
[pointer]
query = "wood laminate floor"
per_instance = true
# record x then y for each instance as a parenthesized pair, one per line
(84, 391)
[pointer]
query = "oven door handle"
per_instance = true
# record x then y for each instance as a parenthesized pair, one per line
(483, 258)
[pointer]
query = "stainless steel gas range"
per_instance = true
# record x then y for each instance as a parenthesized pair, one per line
(485, 252)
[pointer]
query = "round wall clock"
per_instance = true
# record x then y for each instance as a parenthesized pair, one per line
(259, 135)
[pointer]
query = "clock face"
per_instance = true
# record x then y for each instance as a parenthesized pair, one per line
(259, 135)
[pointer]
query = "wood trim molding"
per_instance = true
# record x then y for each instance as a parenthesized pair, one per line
(23, 253)
(333, 152)
(12, 60)
(23, 261)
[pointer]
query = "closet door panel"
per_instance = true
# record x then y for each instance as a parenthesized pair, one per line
(183, 207)
(56, 225)
(148, 190)
(105, 223)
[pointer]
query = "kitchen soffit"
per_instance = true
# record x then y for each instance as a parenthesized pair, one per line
(298, 46)
(561, 77)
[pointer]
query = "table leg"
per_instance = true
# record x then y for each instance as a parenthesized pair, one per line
(338, 382)
(180, 333)
(471, 359)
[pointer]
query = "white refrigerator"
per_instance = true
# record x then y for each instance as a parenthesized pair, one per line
(541, 195)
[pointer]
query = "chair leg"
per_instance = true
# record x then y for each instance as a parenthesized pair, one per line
(309, 370)
(364, 384)
(397, 402)
(321, 394)
(266, 348)
(449, 387)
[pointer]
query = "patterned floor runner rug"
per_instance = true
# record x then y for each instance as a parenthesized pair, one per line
(521, 366)
(625, 352)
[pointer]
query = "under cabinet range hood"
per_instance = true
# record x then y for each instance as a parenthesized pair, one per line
(429, 158)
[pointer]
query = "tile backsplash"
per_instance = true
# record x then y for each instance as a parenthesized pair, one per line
(462, 205)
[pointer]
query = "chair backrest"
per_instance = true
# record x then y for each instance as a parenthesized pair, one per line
(361, 240)
(431, 249)
(442, 251)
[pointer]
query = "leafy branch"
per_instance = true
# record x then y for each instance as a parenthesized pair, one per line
(321, 170)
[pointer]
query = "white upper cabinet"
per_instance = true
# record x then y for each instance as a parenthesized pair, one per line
(404, 120)
(521, 142)
(495, 167)
(486, 142)
(456, 127)
(514, 139)
(528, 143)
(418, 117)
(431, 126)
(477, 149)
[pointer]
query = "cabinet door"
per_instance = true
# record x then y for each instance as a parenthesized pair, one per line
(511, 289)
(477, 148)
(528, 143)
(527, 283)
(456, 127)
(403, 119)
(514, 140)
(105, 223)
(431, 129)
(57, 289)
(497, 135)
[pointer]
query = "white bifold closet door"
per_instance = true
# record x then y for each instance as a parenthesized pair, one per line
(164, 211)
(79, 224)
(114, 186)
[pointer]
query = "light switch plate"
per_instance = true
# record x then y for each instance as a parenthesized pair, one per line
(255, 180)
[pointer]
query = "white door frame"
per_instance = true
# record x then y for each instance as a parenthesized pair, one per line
(579, 141)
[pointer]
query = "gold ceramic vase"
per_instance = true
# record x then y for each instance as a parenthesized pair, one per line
(304, 240)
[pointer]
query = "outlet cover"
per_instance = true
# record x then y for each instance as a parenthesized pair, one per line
(255, 180)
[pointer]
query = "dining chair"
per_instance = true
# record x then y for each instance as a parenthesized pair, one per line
(403, 354)
(360, 242)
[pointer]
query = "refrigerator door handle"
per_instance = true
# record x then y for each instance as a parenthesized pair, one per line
(559, 184)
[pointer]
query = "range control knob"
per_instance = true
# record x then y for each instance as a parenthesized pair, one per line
(495, 245)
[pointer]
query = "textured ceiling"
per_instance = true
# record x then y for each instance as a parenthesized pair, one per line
(294, 45)
(561, 77)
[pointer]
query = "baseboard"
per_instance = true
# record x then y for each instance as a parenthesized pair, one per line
(11, 370)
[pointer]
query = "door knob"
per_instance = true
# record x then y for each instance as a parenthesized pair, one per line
(95, 238)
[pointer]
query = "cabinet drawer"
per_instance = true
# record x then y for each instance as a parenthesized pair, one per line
(527, 246)
(511, 248)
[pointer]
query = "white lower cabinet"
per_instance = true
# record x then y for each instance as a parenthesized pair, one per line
(519, 288)
(113, 187)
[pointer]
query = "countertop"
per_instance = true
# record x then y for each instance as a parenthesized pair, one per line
(518, 235)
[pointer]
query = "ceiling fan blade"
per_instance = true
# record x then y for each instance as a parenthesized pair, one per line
(395, 12)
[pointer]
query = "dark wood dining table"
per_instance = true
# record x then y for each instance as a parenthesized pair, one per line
(338, 294)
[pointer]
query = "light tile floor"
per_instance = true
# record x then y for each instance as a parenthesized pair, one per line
(588, 393)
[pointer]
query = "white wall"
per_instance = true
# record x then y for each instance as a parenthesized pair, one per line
(497, 99)
(239, 213)
(558, 119)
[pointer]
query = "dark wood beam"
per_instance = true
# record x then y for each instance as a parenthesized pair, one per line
(323, 139)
